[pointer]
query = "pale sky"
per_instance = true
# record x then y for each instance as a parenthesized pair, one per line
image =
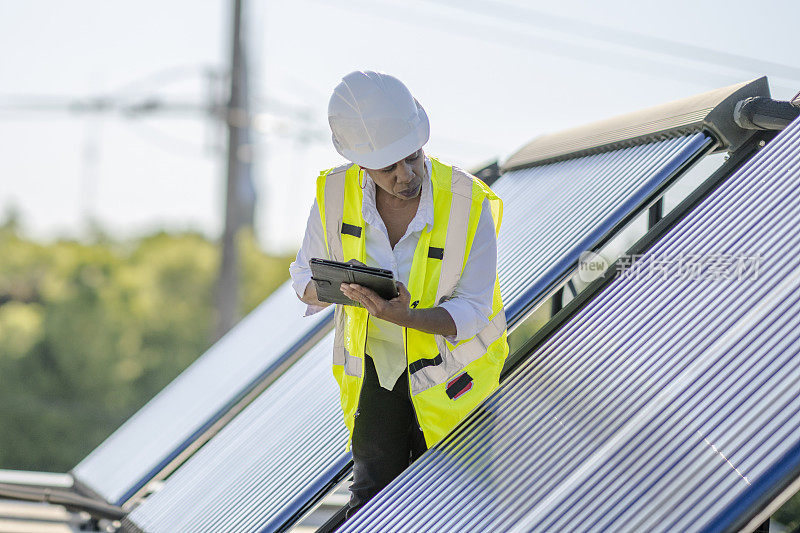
(491, 75)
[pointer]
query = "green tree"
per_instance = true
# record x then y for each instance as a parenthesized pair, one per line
(90, 332)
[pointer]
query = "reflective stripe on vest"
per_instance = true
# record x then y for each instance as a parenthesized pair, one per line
(333, 194)
(451, 360)
(353, 366)
(455, 246)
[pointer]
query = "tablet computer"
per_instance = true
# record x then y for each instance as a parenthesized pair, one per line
(329, 275)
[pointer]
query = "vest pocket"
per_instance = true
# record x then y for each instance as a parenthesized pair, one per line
(458, 386)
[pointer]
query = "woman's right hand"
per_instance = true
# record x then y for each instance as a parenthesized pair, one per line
(310, 295)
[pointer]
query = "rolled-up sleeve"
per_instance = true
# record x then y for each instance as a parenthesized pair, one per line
(471, 302)
(313, 246)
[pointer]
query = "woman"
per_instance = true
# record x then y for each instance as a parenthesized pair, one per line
(410, 368)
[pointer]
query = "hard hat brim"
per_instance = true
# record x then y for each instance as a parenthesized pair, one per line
(394, 152)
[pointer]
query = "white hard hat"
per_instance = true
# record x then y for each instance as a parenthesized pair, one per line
(375, 121)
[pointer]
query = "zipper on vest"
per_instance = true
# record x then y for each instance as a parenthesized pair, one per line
(363, 372)
(408, 374)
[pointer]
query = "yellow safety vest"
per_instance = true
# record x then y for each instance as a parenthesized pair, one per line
(446, 381)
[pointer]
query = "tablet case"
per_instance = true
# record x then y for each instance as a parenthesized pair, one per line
(329, 275)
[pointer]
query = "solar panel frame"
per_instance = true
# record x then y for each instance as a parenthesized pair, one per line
(262, 428)
(201, 395)
(604, 187)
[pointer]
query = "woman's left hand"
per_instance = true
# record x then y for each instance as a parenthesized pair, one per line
(397, 310)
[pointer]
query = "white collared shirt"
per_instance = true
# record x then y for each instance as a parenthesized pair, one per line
(471, 301)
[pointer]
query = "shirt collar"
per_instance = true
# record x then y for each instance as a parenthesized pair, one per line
(424, 216)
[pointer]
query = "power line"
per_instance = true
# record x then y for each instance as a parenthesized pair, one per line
(616, 58)
(167, 142)
(161, 78)
(638, 41)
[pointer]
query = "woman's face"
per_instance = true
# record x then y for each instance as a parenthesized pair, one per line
(403, 179)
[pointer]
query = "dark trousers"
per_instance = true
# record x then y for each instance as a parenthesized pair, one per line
(386, 437)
